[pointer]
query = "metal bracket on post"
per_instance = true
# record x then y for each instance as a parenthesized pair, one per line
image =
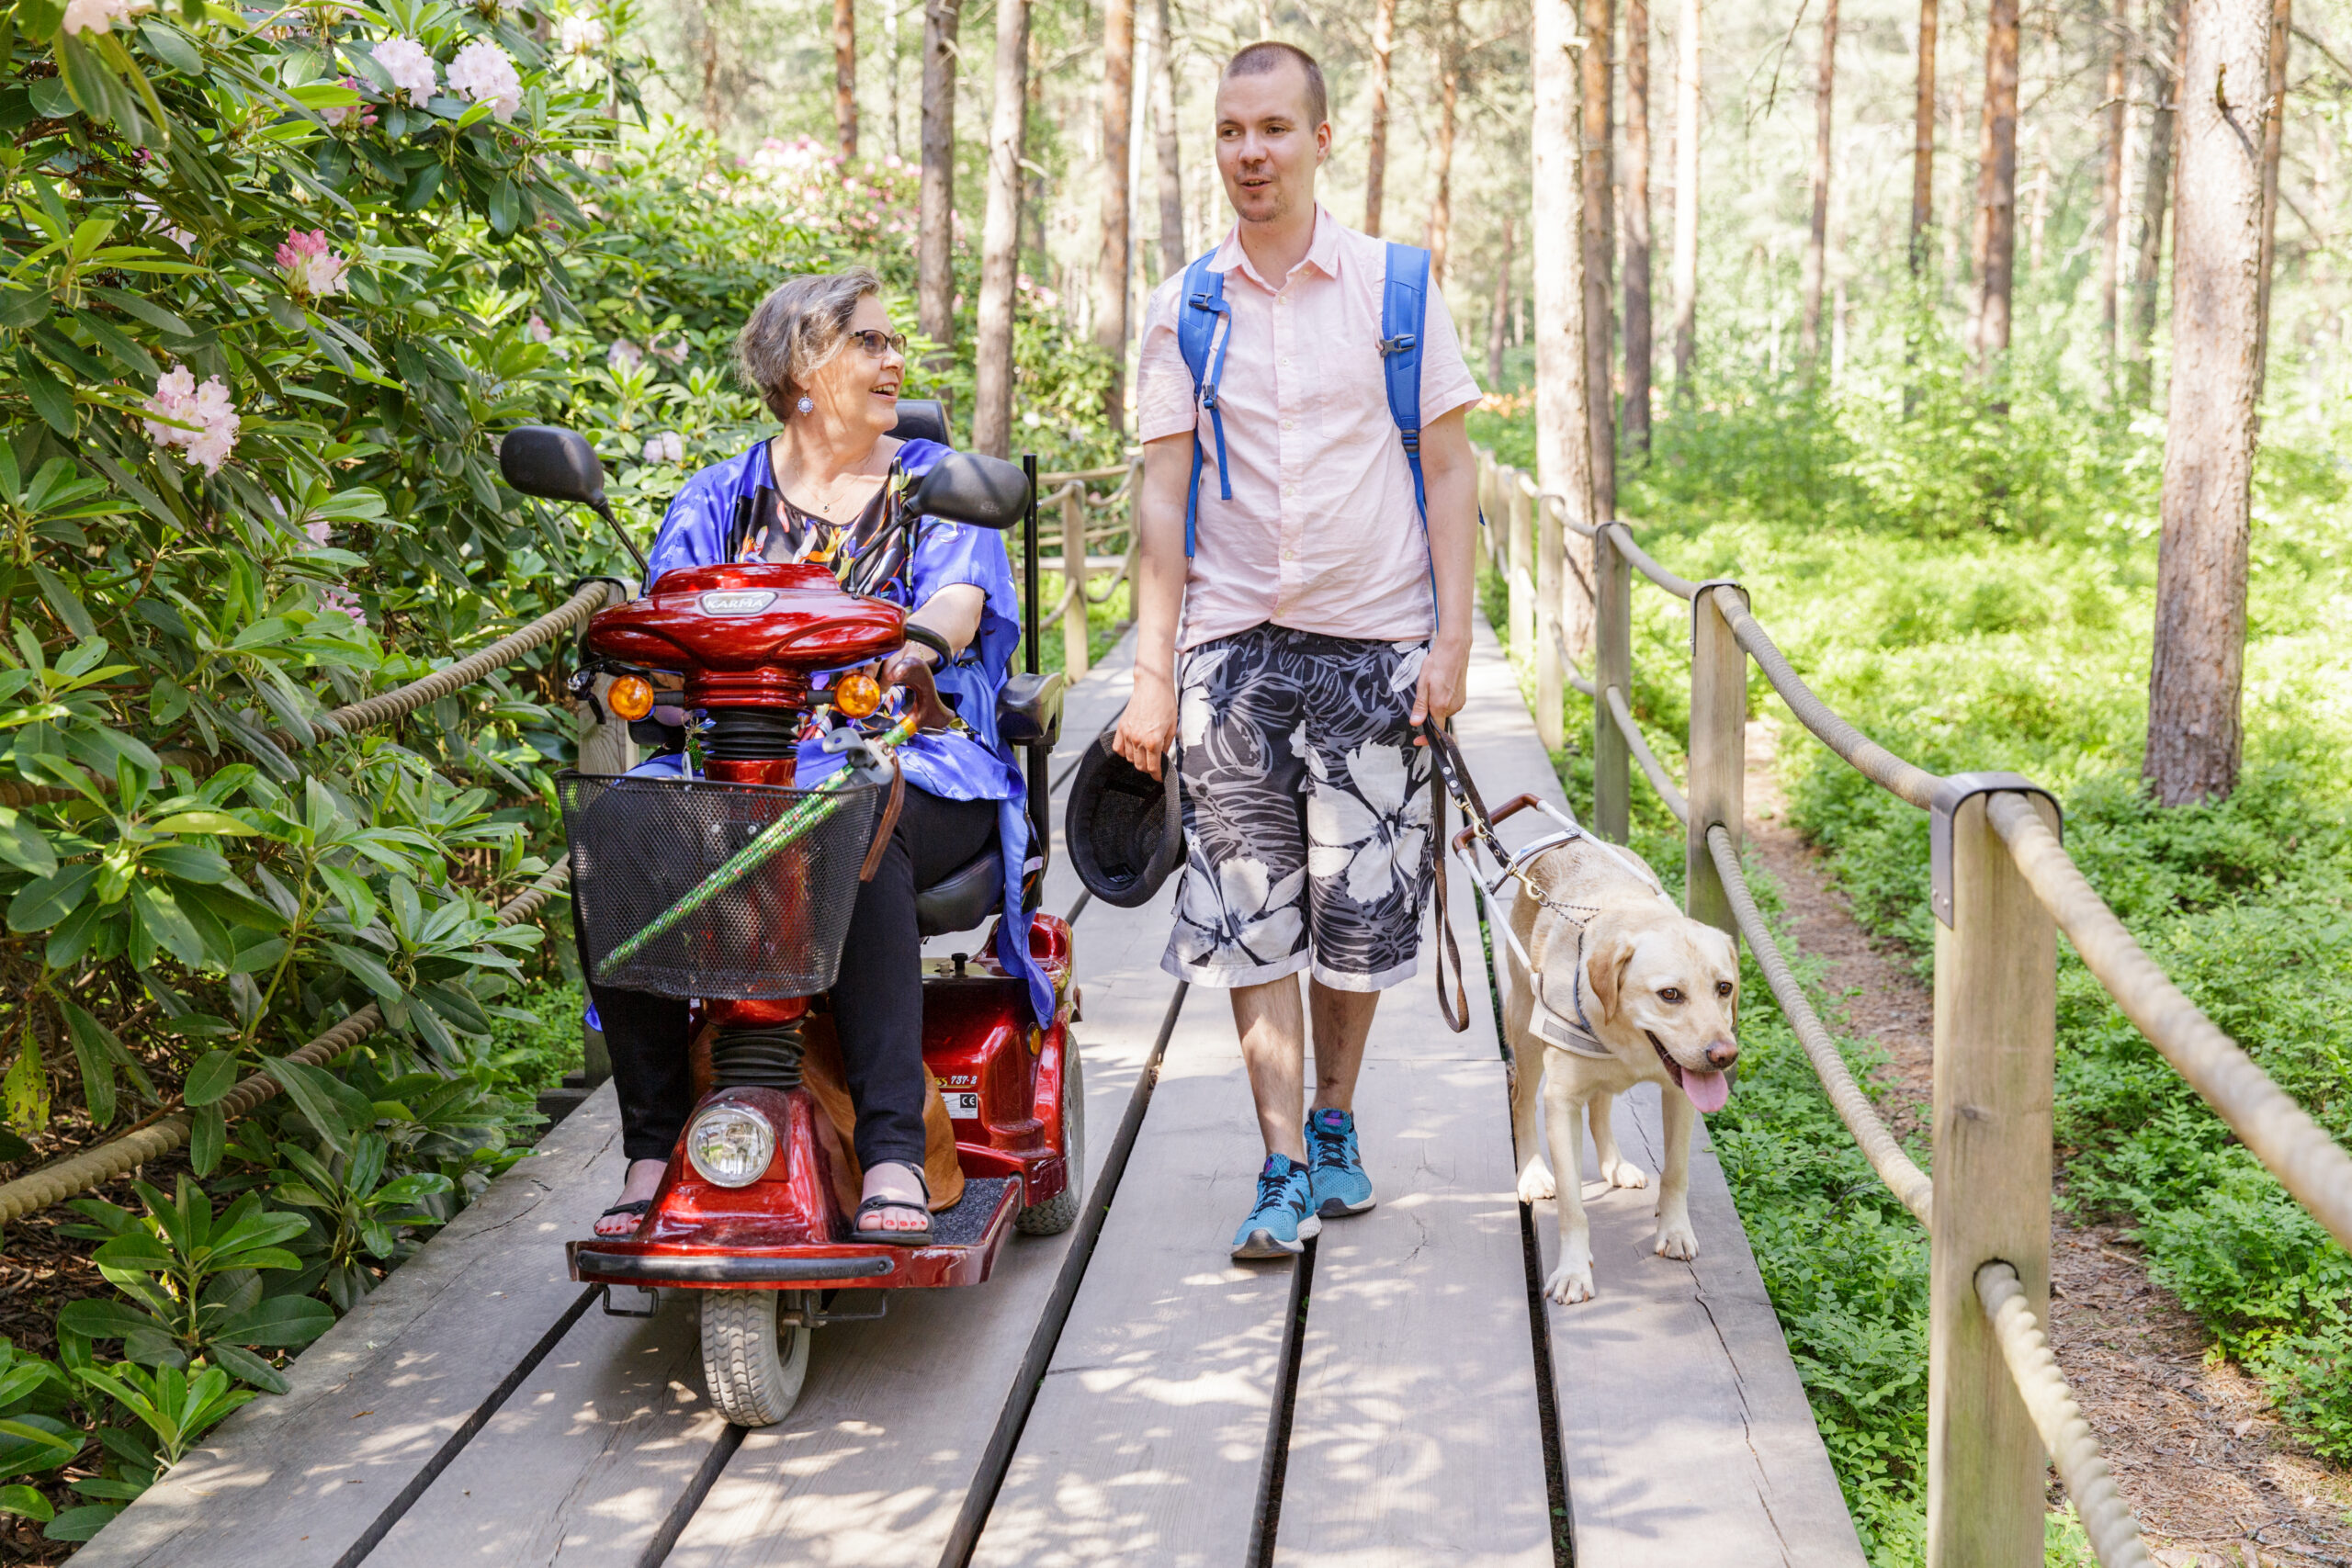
(1701, 597)
(1949, 794)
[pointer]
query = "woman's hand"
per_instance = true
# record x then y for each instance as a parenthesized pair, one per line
(910, 671)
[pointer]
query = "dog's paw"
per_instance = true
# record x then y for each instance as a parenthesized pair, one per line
(1677, 1240)
(1570, 1283)
(1624, 1173)
(1535, 1184)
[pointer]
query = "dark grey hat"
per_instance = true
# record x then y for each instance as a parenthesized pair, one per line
(1124, 827)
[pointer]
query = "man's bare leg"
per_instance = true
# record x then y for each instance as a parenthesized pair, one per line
(1342, 1023)
(1273, 1025)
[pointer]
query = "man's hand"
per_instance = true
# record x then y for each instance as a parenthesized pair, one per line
(1148, 724)
(1445, 676)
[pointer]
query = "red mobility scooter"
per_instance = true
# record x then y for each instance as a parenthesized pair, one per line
(734, 890)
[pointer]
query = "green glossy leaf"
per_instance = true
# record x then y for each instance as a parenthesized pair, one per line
(24, 1501)
(46, 900)
(213, 822)
(214, 1074)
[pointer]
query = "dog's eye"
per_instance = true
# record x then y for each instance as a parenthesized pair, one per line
(1670, 994)
(1722, 987)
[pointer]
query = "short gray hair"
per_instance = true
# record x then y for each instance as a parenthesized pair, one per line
(797, 329)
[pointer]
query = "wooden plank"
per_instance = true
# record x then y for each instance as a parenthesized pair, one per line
(1684, 1432)
(1146, 1443)
(586, 1460)
(379, 1402)
(1415, 1435)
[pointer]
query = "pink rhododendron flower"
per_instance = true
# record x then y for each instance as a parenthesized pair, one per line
(100, 15)
(312, 269)
(411, 68)
(206, 412)
(341, 600)
(667, 447)
(624, 355)
(337, 116)
(483, 73)
(540, 331)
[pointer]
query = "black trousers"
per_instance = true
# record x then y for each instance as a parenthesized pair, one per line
(878, 1001)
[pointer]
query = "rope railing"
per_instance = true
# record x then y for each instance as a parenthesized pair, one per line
(2289, 1142)
(1651, 768)
(101, 1163)
(1910, 1185)
(1905, 780)
(2308, 1164)
(2067, 1437)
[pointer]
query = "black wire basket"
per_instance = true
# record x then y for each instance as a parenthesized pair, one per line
(773, 925)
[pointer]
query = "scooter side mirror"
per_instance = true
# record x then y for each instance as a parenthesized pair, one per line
(964, 487)
(553, 464)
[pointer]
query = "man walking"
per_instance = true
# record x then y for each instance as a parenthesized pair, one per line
(1321, 619)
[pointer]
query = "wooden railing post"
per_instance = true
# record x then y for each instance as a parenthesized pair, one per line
(1074, 572)
(1551, 581)
(1491, 547)
(1996, 969)
(1612, 665)
(1519, 501)
(1718, 756)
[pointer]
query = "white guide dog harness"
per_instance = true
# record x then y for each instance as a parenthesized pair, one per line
(1570, 1031)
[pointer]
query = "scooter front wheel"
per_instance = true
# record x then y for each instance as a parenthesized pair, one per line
(754, 1372)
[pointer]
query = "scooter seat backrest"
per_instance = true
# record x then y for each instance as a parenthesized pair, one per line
(921, 418)
(1029, 710)
(963, 897)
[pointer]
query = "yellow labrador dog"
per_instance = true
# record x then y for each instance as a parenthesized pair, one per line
(1627, 990)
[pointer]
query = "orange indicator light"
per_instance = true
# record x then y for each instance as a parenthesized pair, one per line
(631, 697)
(857, 695)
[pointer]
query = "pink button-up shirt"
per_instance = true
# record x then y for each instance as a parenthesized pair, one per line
(1321, 534)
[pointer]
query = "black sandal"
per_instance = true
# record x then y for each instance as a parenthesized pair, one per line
(638, 1209)
(878, 1202)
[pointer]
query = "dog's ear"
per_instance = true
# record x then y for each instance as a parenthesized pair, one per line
(1605, 959)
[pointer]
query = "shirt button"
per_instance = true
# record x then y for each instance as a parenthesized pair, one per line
(1290, 424)
(1290, 490)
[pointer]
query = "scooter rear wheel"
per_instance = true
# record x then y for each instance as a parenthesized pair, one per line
(1059, 1213)
(754, 1372)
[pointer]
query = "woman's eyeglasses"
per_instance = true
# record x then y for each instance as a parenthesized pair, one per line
(878, 344)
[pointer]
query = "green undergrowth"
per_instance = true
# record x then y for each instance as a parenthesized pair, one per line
(1973, 616)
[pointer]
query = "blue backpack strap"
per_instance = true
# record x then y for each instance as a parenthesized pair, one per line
(1404, 308)
(1200, 306)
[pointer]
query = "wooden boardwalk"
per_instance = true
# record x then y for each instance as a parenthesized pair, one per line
(1121, 1393)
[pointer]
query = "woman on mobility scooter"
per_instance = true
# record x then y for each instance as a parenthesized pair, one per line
(821, 354)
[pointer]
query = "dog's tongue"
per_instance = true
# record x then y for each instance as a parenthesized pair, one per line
(1709, 1092)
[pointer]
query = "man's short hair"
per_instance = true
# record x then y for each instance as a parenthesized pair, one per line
(1266, 56)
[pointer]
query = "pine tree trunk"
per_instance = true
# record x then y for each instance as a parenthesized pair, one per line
(2110, 184)
(1375, 165)
(1111, 266)
(935, 239)
(2155, 190)
(1638, 348)
(1600, 245)
(846, 76)
(2194, 734)
(1170, 147)
(1686, 198)
(1449, 70)
(1816, 244)
(1563, 427)
(1000, 235)
(1500, 322)
(2283, 21)
(1923, 142)
(1997, 187)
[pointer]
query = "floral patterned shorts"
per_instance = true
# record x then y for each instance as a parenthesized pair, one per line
(1307, 808)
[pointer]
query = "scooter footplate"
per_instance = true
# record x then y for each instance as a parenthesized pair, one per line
(962, 1251)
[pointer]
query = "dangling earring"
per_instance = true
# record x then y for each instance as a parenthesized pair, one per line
(807, 405)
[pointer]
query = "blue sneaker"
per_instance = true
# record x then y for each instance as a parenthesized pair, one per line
(1341, 1188)
(1283, 1221)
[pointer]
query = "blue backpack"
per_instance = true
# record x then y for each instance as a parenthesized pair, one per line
(1403, 302)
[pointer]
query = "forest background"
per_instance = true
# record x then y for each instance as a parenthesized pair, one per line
(1960, 550)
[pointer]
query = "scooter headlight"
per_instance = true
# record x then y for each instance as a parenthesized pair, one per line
(731, 1144)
